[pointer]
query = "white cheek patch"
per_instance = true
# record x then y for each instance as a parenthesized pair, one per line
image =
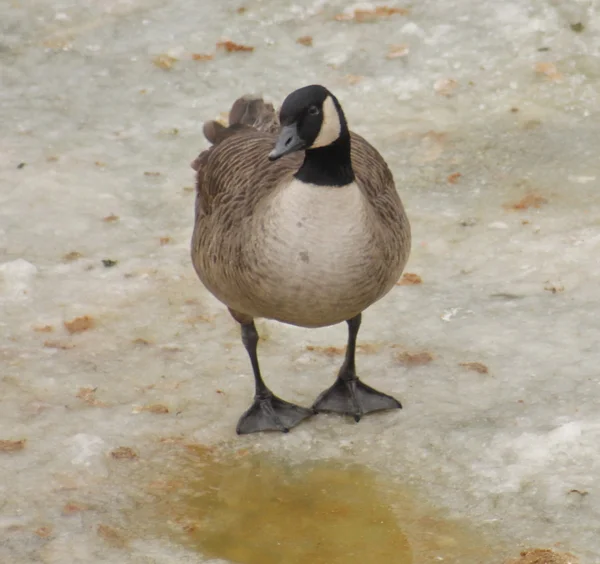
(331, 127)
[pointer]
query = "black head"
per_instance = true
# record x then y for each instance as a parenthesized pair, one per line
(311, 117)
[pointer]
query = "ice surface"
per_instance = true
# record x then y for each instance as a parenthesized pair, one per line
(504, 93)
(16, 279)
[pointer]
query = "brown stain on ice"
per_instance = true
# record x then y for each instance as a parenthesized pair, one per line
(445, 86)
(44, 532)
(79, 324)
(112, 536)
(305, 40)
(195, 319)
(554, 288)
(43, 328)
(414, 359)
(327, 351)
(232, 47)
(397, 51)
(88, 395)
(548, 70)
(365, 348)
(156, 408)
(252, 508)
(164, 62)
(368, 15)
(202, 57)
(475, 367)
(543, 556)
(59, 345)
(72, 256)
(453, 178)
(532, 200)
(7, 445)
(72, 508)
(409, 279)
(123, 453)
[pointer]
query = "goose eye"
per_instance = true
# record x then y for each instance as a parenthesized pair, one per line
(313, 111)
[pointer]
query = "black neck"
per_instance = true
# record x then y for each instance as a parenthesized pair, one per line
(330, 165)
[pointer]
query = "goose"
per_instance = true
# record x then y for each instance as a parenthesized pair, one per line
(297, 220)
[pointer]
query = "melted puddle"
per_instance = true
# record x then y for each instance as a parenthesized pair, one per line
(256, 509)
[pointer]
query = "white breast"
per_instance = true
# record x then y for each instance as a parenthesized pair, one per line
(316, 230)
(315, 252)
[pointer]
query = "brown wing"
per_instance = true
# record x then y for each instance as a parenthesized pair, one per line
(234, 173)
(238, 173)
(376, 180)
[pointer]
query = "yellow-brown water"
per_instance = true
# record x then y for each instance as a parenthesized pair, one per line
(256, 509)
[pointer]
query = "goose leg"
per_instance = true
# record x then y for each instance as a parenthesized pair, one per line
(267, 412)
(349, 395)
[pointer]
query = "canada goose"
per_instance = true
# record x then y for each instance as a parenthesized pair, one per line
(304, 227)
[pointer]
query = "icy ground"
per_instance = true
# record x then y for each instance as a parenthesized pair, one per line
(488, 115)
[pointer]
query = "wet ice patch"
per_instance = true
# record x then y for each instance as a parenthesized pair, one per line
(16, 280)
(84, 449)
(549, 459)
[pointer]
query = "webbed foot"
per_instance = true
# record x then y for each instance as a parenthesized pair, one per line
(352, 397)
(271, 414)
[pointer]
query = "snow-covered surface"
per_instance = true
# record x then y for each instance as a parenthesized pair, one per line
(504, 93)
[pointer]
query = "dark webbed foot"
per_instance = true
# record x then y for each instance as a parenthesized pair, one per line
(349, 395)
(267, 412)
(352, 397)
(271, 414)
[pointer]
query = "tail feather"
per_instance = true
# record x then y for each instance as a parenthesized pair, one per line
(214, 131)
(247, 112)
(254, 112)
